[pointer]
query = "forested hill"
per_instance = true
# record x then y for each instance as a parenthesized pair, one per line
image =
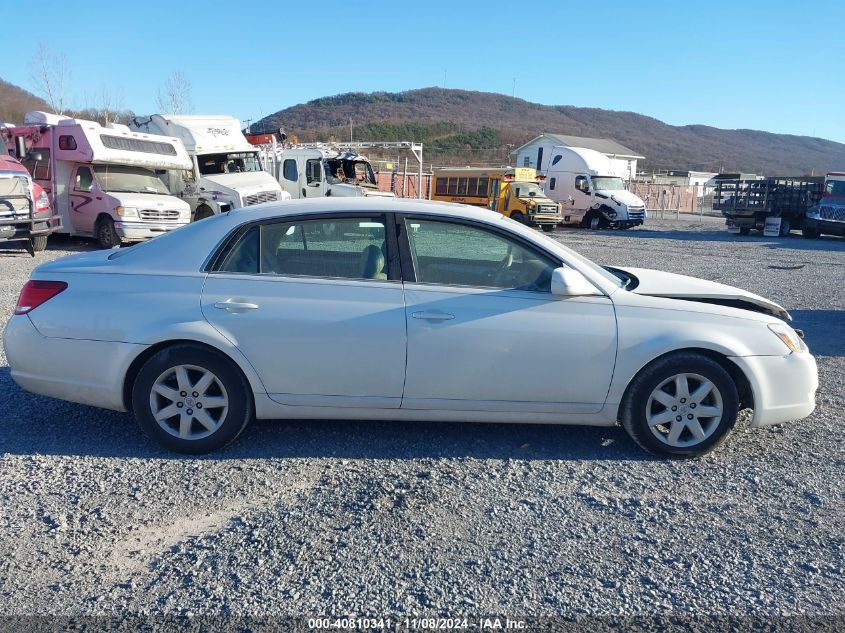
(464, 126)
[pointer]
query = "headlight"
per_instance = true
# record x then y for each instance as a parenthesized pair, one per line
(788, 336)
(185, 214)
(814, 212)
(127, 213)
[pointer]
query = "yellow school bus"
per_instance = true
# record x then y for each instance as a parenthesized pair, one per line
(513, 192)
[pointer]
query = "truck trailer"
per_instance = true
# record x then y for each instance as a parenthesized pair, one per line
(747, 203)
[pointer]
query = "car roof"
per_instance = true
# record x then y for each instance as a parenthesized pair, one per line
(365, 204)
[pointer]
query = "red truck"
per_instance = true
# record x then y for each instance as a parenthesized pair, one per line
(25, 213)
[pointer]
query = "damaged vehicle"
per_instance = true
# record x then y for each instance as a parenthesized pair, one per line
(404, 310)
(316, 172)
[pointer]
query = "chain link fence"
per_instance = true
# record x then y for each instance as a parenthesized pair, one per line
(666, 199)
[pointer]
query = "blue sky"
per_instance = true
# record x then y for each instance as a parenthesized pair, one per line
(774, 65)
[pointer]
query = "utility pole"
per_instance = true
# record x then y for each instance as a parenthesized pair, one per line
(513, 92)
(350, 130)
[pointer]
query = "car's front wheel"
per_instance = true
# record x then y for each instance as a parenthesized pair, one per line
(681, 405)
(191, 399)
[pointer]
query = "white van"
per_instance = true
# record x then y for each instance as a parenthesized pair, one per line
(589, 193)
(226, 172)
(103, 181)
(314, 172)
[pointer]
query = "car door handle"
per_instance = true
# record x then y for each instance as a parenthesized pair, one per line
(235, 306)
(433, 316)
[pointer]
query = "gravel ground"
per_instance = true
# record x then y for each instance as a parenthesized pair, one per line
(314, 518)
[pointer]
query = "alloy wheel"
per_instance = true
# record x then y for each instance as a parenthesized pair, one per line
(189, 402)
(684, 410)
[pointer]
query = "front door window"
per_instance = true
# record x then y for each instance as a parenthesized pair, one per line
(454, 254)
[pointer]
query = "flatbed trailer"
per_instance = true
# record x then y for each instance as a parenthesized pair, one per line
(747, 203)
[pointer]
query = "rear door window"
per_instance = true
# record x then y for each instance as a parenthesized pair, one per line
(343, 248)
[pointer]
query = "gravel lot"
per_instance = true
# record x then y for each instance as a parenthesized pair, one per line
(334, 518)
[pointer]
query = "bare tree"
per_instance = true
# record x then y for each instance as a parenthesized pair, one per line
(175, 96)
(50, 73)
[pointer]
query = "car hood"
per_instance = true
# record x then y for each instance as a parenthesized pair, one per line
(149, 200)
(246, 182)
(623, 197)
(656, 283)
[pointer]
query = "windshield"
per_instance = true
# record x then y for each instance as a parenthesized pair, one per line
(835, 188)
(353, 172)
(126, 179)
(575, 256)
(237, 163)
(608, 183)
(527, 190)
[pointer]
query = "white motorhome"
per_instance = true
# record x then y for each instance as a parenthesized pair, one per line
(315, 171)
(225, 173)
(103, 181)
(589, 193)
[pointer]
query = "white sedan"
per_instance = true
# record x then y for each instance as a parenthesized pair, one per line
(399, 310)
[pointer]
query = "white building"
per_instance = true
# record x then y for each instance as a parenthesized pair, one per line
(675, 177)
(537, 152)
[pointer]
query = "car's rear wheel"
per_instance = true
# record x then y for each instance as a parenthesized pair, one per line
(548, 228)
(191, 399)
(518, 216)
(744, 230)
(681, 405)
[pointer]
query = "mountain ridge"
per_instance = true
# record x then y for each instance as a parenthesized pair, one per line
(435, 115)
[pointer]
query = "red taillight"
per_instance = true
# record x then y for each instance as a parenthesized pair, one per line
(36, 292)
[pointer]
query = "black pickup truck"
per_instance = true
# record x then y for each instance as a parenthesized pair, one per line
(747, 203)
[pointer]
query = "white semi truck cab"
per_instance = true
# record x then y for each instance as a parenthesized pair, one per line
(226, 173)
(314, 171)
(589, 193)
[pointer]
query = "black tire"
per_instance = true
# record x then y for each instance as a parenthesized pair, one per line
(106, 234)
(744, 230)
(548, 228)
(811, 233)
(38, 243)
(633, 410)
(237, 415)
(518, 216)
(203, 212)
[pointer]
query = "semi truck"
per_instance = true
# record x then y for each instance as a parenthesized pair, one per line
(589, 192)
(827, 216)
(514, 192)
(225, 171)
(25, 212)
(102, 181)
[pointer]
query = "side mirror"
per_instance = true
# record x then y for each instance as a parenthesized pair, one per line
(567, 282)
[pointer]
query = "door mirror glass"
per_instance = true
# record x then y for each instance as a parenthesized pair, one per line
(567, 282)
(582, 184)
